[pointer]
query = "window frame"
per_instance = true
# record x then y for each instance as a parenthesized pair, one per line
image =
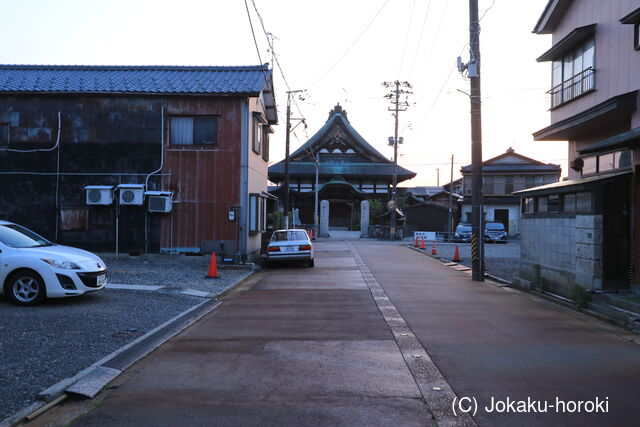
(258, 133)
(636, 36)
(7, 132)
(257, 213)
(216, 131)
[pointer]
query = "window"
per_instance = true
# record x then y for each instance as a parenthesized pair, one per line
(508, 185)
(542, 204)
(583, 202)
(4, 133)
(569, 203)
(265, 146)
(636, 36)
(194, 130)
(257, 213)
(606, 162)
(573, 74)
(529, 181)
(488, 186)
(528, 205)
(257, 137)
(553, 203)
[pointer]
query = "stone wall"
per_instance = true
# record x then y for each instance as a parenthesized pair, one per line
(558, 253)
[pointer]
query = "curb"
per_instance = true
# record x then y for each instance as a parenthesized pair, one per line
(452, 264)
(89, 381)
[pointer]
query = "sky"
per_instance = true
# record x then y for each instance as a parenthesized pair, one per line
(338, 52)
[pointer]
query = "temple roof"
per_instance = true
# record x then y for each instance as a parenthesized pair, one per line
(342, 151)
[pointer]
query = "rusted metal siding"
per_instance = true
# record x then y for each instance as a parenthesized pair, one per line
(205, 181)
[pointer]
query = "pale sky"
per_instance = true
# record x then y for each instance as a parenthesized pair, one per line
(339, 51)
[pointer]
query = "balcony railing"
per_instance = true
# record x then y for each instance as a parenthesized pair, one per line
(572, 88)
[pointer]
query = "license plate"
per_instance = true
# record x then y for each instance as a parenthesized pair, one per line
(288, 248)
(102, 280)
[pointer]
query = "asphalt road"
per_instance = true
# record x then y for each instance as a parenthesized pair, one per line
(496, 343)
(322, 346)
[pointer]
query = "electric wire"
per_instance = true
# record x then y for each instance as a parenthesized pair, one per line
(350, 46)
(406, 38)
(255, 42)
(415, 55)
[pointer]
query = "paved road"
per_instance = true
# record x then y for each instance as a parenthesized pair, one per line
(344, 344)
(492, 342)
(302, 347)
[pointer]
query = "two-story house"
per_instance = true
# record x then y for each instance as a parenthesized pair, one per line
(583, 231)
(138, 158)
(502, 175)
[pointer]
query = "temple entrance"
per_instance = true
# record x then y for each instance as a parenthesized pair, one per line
(340, 214)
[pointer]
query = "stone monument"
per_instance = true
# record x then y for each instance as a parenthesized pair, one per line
(364, 218)
(324, 218)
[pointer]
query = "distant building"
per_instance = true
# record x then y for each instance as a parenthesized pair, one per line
(502, 175)
(350, 171)
(583, 231)
(170, 159)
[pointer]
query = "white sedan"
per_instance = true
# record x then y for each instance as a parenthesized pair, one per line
(290, 245)
(32, 268)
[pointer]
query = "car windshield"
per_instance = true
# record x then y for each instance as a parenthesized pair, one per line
(462, 227)
(16, 236)
(495, 226)
(283, 236)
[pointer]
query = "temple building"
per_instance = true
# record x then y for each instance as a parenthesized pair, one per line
(350, 170)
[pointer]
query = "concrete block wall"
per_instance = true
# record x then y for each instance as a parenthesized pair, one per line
(562, 252)
(589, 251)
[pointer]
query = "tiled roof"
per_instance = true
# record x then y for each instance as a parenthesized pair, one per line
(133, 79)
(363, 170)
(516, 168)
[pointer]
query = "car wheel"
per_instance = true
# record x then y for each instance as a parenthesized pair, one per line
(311, 263)
(26, 288)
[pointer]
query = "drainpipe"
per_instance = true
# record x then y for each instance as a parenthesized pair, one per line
(244, 179)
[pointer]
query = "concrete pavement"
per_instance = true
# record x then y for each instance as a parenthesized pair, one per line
(302, 347)
(344, 344)
(492, 342)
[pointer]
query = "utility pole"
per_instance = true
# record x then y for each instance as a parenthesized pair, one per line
(438, 177)
(286, 157)
(450, 216)
(397, 106)
(473, 72)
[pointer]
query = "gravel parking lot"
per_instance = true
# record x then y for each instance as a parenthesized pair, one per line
(42, 345)
(503, 260)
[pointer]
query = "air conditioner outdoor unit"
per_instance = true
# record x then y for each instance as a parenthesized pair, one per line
(99, 194)
(131, 194)
(159, 201)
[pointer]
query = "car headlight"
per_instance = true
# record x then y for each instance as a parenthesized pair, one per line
(66, 265)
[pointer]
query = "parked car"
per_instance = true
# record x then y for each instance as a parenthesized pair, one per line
(290, 245)
(494, 232)
(463, 232)
(33, 268)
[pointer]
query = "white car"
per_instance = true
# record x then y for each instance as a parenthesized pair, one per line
(290, 245)
(32, 268)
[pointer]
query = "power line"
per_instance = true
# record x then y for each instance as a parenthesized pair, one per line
(424, 24)
(406, 38)
(266, 81)
(351, 46)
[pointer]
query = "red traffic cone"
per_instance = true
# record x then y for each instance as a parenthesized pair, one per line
(416, 243)
(456, 255)
(422, 244)
(213, 267)
(433, 249)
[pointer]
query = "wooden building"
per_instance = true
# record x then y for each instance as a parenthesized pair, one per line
(349, 169)
(136, 158)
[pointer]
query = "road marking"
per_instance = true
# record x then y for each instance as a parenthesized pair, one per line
(435, 389)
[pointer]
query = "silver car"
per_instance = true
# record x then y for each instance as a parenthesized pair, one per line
(290, 245)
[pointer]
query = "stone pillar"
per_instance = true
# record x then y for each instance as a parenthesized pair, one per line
(364, 218)
(324, 218)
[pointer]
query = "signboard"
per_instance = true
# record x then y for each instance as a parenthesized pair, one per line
(427, 235)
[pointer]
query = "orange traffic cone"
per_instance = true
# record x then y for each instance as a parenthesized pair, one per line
(433, 249)
(422, 244)
(213, 267)
(416, 243)
(456, 255)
